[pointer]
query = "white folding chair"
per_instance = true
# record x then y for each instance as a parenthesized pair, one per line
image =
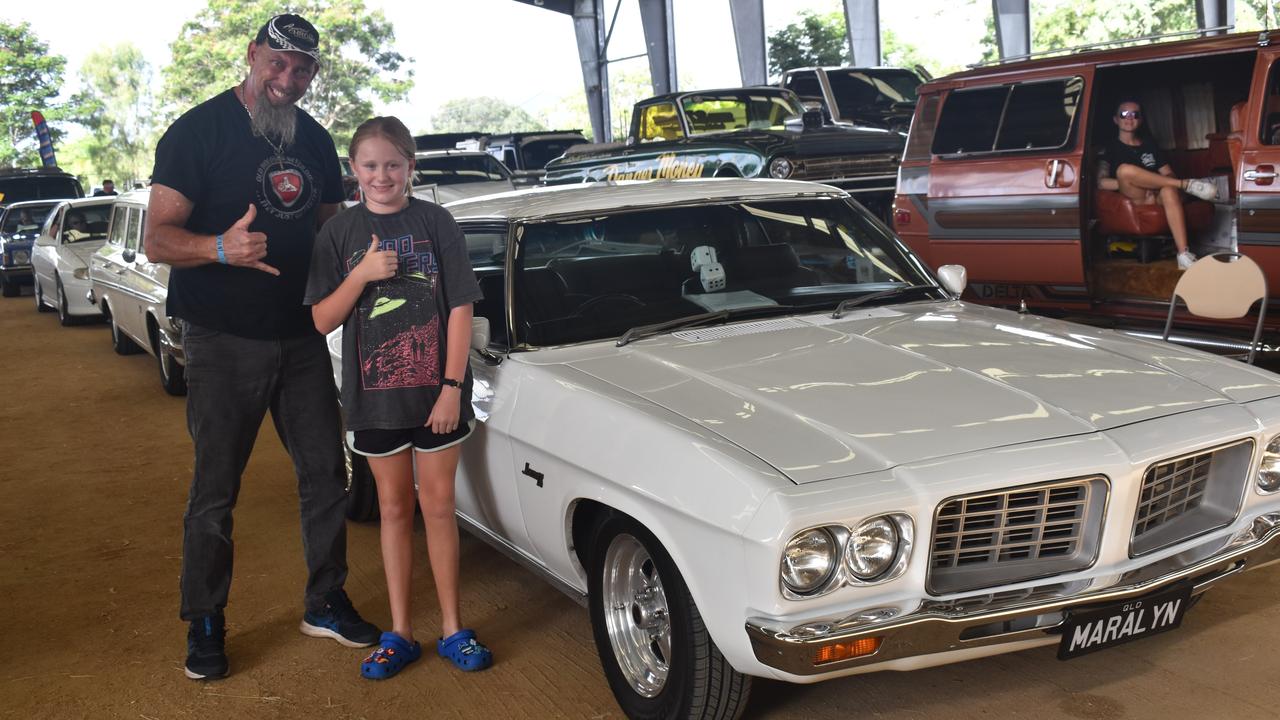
(1222, 286)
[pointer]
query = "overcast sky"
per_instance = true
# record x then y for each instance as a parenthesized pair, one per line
(519, 53)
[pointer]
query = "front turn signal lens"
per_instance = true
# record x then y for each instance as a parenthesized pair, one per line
(836, 651)
(1269, 471)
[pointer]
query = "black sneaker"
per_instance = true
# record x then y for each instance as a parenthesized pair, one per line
(340, 621)
(206, 648)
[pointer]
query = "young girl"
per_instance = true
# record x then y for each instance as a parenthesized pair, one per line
(394, 273)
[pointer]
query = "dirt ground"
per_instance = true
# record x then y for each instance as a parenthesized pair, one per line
(94, 466)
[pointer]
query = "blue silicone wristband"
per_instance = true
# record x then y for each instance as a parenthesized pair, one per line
(222, 256)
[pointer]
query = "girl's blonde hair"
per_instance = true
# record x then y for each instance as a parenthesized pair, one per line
(389, 128)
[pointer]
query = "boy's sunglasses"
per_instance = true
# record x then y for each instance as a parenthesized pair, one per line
(1126, 114)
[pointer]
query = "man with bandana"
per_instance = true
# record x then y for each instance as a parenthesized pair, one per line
(241, 184)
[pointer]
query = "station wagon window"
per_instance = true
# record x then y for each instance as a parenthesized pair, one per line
(133, 237)
(119, 218)
(659, 122)
(1022, 116)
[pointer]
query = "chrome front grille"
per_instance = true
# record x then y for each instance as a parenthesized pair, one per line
(844, 166)
(1016, 534)
(1190, 495)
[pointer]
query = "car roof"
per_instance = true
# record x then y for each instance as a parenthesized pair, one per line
(448, 153)
(686, 93)
(91, 201)
(604, 197)
(141, 197)
(49, 202)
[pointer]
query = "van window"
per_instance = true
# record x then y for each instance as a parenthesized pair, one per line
(1026, 116)
(925, 123)
(1269, 132)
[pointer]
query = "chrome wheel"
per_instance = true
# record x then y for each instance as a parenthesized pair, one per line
(636, 615)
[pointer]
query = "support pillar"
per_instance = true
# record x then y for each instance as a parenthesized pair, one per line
(1215, 13)
(660, 44)
(588, 28)
(862, 23)
(748, 35)
(1013, 27)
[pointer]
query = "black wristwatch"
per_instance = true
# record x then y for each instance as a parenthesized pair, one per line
(451, 383)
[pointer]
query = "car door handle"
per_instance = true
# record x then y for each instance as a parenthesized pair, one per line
(1058, 173)
(1263, 174)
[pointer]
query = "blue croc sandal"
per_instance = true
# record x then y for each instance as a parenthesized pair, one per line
(392, 655)
(462, 649)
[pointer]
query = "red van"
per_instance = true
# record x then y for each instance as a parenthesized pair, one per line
(1000, 175)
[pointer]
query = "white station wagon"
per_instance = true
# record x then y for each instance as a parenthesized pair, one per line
(758, 438)
(71, 234)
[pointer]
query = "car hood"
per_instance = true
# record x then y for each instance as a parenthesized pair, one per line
(819, 398)
(462, 191)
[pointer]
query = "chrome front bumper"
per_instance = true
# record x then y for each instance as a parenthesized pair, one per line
(939, 627)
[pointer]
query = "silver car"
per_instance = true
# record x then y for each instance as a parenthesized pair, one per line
(131, 291)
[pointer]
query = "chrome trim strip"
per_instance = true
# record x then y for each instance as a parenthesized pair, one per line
(520, 557)
(940, 627)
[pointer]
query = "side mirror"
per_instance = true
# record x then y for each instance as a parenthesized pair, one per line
(812, 118)
(128, 255)
(44, 240)
(954, 278)
(479, 333)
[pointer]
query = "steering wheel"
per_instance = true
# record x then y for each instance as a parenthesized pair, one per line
(586, 307)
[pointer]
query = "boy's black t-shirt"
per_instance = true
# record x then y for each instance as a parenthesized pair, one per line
(394, 341)
(211, 156)
(1145, 155)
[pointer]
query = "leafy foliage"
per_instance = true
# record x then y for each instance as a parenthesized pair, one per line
(30, 79)
(484, 114)
(357, 65)
(815, 39)
(121, 128)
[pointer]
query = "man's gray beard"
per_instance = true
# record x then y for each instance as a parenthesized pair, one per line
(278, 123)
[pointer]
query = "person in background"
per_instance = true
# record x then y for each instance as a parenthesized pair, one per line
(242, 183)
(1136, 167)
(108, 188)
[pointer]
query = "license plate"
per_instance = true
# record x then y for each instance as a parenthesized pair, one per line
(1124, 622)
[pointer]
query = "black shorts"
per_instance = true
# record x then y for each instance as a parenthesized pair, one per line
(381, 443)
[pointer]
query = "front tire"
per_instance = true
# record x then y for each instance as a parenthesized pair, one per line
(658, 657)
(64, 315)
(121, 343)
(173, 376)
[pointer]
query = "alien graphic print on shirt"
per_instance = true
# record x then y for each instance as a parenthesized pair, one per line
(394, 343)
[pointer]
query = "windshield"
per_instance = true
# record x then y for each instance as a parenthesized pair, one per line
(858, 91)
(578, 280)
(537, 153)
(25, 221)
(737, 111)
(36, 187)
(86, 223)
(454, 169)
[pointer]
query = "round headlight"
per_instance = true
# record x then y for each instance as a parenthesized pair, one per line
(21, 257)
(808, 561)
(780, 168)
(80, 273)
(872, 548)
(1269, 471)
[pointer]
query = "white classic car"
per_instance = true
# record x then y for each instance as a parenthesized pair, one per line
(758, 437)
(131, 291)
(443, 176)
(72, 233)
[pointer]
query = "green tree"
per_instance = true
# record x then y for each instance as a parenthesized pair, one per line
(357, 65)
(30, 79)
(815, 39)
(121, 130)
(483, 114)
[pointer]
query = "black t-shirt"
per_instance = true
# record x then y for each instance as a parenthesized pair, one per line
(211, 156)
(1145, 155)
(394, 341)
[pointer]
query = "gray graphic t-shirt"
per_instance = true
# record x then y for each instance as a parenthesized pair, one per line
(397, 332)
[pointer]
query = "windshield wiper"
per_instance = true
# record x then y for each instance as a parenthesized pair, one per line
(853, 302)
(638, 332)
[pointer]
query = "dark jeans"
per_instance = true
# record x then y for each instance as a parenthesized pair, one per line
(231, 383)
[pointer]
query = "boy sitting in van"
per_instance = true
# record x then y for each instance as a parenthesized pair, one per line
(1135, 166)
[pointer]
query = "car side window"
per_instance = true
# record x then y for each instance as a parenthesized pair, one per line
(806, 85)
(133, 233)
(659, 122)
(1269, 132)
(53, 224)
(1023, 116)
(119, 217)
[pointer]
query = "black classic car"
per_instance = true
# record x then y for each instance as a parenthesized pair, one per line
(881, 97)
(740, 132)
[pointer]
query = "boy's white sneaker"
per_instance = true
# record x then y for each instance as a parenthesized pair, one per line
(1185, 259)
(1203, 189)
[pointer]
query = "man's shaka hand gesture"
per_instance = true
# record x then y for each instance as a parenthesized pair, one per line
(244, 248)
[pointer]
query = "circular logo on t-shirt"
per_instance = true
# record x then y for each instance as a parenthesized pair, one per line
(286, 188)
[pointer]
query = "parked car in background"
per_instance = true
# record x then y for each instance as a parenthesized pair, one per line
(131, 292)
(817, 462)
(20, 223)
(1001, 174)
(757, 132)
(526, 154)
(74, 230)
(45, 183)
(458, 174)
(881, 97)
